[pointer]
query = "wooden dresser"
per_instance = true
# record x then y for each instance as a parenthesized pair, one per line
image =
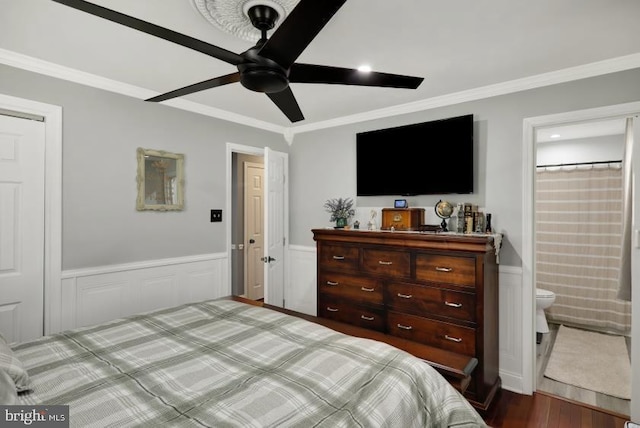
(436, 289)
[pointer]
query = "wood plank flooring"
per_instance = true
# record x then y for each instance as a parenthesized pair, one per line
(541, 410)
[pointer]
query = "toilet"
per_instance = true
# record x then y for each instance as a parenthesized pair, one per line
(544, 299)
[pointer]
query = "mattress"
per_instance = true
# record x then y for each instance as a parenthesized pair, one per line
(228, 364)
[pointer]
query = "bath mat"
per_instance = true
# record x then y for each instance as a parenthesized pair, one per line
(594, 361)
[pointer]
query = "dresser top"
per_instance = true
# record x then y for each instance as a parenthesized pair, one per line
(474, 242)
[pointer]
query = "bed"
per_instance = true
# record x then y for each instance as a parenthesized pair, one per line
(224, 363)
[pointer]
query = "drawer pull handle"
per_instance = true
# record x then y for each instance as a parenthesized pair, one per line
(443, 269)
(382, 262)
(405, 327)
(405, 296)
(453, 339)
(338, 257)
(332, 283)
(453, 304)
(366, 318)
(330, 309)
(368, 290)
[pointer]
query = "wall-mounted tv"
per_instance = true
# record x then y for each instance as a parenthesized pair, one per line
(428, 158)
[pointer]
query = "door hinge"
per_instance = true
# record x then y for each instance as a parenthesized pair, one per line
(284, 241)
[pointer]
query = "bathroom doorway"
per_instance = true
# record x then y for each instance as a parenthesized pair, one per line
(578, 241)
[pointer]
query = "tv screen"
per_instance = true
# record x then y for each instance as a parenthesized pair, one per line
(427, 158)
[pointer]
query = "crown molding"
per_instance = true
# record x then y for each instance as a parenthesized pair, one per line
(51, 69)
(532, 82)
(612, 65)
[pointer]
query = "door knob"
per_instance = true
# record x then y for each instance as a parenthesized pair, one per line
(267, 259)
(252, 241)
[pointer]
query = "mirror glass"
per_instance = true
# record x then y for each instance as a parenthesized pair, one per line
(160, 180)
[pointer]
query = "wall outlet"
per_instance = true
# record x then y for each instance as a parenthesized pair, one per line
(216, 216)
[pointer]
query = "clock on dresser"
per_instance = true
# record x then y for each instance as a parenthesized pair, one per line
(402, 218)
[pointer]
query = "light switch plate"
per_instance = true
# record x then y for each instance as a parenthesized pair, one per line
(216, 216)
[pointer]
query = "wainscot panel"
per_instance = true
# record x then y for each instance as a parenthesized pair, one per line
(302, 298)
(301, 293)
(95, 295)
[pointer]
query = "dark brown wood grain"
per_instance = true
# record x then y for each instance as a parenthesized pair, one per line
(540, 410)
(439, 290)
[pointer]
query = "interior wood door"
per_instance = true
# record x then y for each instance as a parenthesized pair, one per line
(22, 179)
(254, 230)
(276, 230)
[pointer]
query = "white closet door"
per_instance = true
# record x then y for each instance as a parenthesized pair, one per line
(22, 160)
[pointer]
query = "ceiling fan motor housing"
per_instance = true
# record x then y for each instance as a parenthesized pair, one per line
(261, 74)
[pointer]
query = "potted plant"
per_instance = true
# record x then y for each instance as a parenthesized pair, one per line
(341, 210)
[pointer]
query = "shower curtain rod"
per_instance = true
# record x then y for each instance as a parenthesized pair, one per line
(579, 163)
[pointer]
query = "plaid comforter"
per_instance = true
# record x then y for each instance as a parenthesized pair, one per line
(228, 364)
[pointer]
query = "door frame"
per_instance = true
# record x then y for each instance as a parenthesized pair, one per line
(52, 204)
(256, 151)
(528, 216)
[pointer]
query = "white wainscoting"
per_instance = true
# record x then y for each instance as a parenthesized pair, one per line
(95, 295)
(302, 289)
(301, 293)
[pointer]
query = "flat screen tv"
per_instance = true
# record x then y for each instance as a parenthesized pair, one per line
(428, 158)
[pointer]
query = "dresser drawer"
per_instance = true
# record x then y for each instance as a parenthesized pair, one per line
(357, 288)
(437, 301)
(341, 257)
(350, 313)
(385, 262)
(446, 269)
(435, 333)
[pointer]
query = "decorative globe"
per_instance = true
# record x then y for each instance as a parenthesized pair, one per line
(444, 210)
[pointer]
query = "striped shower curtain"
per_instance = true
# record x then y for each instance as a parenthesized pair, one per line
(578, 245)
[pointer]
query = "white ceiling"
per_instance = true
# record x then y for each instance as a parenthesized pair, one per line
(456, 45)
(575, 131)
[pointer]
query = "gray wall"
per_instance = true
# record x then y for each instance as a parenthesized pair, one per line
(322, 163)
(101, 131)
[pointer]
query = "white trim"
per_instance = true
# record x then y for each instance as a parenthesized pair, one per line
(147, 264)
(53, 202)
(528, 192)
(612, 65)
(103, 293)
(559, 76)
(51, 69)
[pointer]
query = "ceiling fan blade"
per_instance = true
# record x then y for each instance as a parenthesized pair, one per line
(196, 87)
(298, 30)
(154, 30)
(287, 103)
(311, 73)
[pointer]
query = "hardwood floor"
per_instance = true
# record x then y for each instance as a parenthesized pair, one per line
(511, 410)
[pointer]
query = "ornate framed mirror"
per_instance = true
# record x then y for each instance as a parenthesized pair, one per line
(160, 180)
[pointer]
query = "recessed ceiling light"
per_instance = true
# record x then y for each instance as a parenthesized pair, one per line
(364, 68)
(555, 136)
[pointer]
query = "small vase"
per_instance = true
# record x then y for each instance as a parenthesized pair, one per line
(341, 223)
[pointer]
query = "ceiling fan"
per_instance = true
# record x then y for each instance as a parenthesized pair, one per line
(270, 65)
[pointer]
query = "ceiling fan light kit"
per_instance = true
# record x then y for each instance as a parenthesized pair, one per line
(269, 66)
